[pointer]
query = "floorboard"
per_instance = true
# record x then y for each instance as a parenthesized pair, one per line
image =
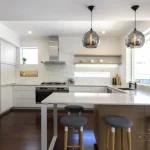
(21, 131)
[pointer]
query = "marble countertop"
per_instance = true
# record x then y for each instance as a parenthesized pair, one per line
(19, 84)
(97, 98)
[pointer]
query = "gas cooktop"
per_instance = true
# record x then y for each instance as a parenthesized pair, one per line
(53, 83)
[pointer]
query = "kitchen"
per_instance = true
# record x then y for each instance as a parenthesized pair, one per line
(41, 60)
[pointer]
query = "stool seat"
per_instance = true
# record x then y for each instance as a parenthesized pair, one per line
(73, 121)
(118, 122)
(74, 108)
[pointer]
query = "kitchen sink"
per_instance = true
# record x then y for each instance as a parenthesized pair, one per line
(126, 89)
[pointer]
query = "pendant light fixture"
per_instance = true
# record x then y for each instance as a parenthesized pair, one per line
(135, 39)
(91, 38)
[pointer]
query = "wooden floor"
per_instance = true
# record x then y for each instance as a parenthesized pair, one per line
(21, 131)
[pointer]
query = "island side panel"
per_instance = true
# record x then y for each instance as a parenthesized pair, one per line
(135, 113)
(147, 130)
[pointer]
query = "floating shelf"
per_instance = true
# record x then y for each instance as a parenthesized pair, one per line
(97, 59)
(88, 63)
(94, 55)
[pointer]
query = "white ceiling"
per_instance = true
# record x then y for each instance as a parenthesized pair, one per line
(60, 10)
(68, 28)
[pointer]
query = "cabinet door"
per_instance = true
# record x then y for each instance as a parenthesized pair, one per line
(8, 74)
(24, 96)
(8, 53)
(6, 98)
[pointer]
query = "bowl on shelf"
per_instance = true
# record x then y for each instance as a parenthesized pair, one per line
(92, 61)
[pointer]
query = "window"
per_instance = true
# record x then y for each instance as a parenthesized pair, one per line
(92, 74)
(141, 63)
(30, 54)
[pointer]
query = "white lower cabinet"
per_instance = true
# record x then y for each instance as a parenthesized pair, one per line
(24, 96)
(6, 98)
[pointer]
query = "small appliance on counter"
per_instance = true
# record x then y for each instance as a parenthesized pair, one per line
(70, 80)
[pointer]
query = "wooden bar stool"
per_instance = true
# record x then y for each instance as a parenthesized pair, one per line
(74, 109)
(73, 122)
(114, 122)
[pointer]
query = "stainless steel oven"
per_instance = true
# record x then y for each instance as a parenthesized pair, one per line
(43, 92)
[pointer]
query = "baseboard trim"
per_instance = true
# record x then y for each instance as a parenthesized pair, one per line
(38, 109)
(4, 113)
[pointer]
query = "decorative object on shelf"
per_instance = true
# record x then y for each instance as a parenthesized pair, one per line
(98, 59)
(24, 60)
(91, 38)
(28, 74)
(135, 39)
(92, 61)
(81, 61)
(101, 60)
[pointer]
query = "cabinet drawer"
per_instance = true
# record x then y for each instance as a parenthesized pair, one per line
(19, 102)
(24, 94)
(24, 88)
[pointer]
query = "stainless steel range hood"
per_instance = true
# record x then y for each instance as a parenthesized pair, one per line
(54, 52)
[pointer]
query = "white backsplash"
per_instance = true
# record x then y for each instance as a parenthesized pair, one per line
(61, 73)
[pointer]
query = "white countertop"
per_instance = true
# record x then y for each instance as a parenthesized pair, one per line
(97, 98)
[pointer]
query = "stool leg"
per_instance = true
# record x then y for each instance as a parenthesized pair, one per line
(129, 138)
(81, 139)
(79, 136)
(69, 113)
(107, 137)
(66, 138)
(122, 139)
(113, 137)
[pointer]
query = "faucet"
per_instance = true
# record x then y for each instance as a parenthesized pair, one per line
(133, 83)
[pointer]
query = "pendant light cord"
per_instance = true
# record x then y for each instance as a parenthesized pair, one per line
(91, 20)
(135, 19)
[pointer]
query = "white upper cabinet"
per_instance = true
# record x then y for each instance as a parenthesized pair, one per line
(8, 53)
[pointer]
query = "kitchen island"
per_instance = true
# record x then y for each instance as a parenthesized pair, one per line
(130, 105)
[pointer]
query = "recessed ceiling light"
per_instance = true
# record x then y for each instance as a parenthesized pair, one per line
(29, 32)
(103, 32)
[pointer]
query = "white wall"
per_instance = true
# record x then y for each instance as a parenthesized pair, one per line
(8, 35)
(125, 68)
(68, 47)
(7, 74)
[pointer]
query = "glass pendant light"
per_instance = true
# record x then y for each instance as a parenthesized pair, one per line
(91, 38)
(135, 39)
